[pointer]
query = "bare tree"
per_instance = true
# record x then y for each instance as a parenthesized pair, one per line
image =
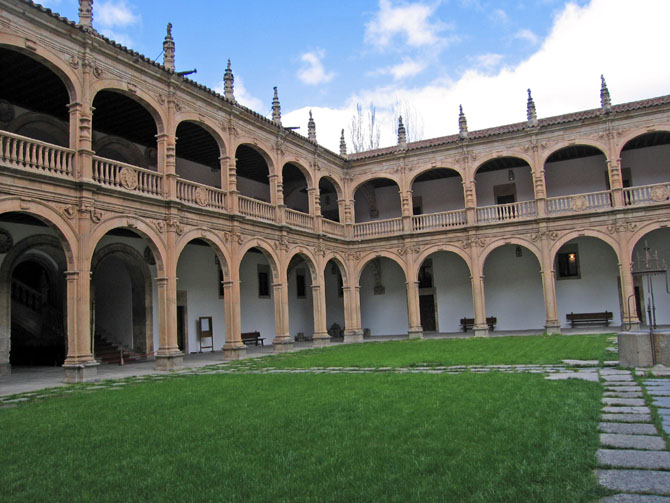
(410, 118)
(364, 129)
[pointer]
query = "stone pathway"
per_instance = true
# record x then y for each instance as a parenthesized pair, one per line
(633, 458)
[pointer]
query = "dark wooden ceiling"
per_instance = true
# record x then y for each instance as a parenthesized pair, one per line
(574, 152)
(502, 163)
(196, 144)
(652, 139)
(436, 174)
(118, 115)
(29, 84)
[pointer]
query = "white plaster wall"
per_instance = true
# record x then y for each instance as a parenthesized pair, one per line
(513, 289)
(577, 176)
(334, 303)
(388, 204)
(300, 311)
(113, 301)
(596, 290)
(384, 314)
(444, 194)
(252, 188)
(648, 165)
(451, 279)
(257, 314)
(199, 173)
(486, 181)
(658, 241)
(198, 275)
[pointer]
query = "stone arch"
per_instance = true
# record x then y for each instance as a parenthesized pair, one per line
(128, 150)
(307, 256)
(214, 241)
(641, 233)
(267, 249)
(341, 264)
(509, 241)
(334, 182)
(433, 168)
(140, 277)
(44, 125)
(373, 255)
(260, 149)
(572, 143)
(500, 155)
(592, 233)
(144, 99)
(49, 59)
(445, 248)
(362, 181)
(309, 176)
(139, 226)
(636, 132)
(207, 124)
(48, 215)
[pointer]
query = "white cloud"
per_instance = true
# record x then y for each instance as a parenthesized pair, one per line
(409, 21)
(244, 97)
(118, 37)
(528, 36)
(113, 14)
(407, 68)
(488, 62)
(564, 73)
(313, 72)
(500, 16)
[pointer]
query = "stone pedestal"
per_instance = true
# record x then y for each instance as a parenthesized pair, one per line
(231, 352)
(481, 332)
(80, 372)
(170, 362)
(415, 334)
(553, 328)
(352, 336)
(320, 339)
(635, 348)
(283, 346)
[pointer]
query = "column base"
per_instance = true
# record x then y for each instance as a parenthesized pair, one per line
(481, 331)
(233, 352)
(415, 333)
(553, 328)
(353, 336)
(80, 372)
(320, 339)
(5, 369)
(170, 362)
(633, 326)
(283, 345)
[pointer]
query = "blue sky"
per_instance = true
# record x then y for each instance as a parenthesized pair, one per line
(423, 57)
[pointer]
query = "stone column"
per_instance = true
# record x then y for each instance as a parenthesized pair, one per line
(168, 357)
(283, 341)
(313, 197)
(629, 316)
(353, 331)
(470, 202)
(413, 310)
(406, 210)
(553, 324)
(616, 182)
(80, 140)
(480, 328)
(79, 365)
(233, 348)
(321, 336)
(540, 194)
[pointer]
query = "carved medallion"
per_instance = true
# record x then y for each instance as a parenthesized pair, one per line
(578, 203)
(659, 194)
(6, 241)
(128, 178)
(201, 196)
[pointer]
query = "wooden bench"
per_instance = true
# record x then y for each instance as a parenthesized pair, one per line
(253, 337)
(468, 323)
(603, 318)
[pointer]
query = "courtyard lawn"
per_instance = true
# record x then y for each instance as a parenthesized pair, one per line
(305, 437)
(536, 349)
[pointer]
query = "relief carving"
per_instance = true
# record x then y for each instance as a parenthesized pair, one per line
(128, 178)
(578, 203)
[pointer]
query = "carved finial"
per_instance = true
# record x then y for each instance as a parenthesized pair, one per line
(168, 49)
(86, 13)
(605, 101)
(462, 123)
(402, 134)
(531, 113)
(228, 83)
(343, 145)
(276, 109)
(311, 128)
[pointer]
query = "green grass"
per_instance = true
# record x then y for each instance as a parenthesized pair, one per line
(344, 437)
(473, 351)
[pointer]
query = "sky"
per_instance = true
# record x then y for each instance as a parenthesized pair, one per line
(421, 59)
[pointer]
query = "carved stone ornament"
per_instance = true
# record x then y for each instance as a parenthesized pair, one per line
(87, 208)
(69, 211)
(128, 178)
(201, 196)
(149, 256)
(174, 224)
(578, 203)
(659, 194)
(621, 227)
(550, 235)
(160, 225)
(6, 111)
(6, 240)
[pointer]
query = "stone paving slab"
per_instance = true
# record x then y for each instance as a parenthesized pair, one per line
(623, 394)
(643, 442)
(614, 372)
(623, 401)
(635, 498)
(582, 363)
(623, 388)
(637, 481)
(628, 428)
(562, 376)
(627, 458)
(618, 378)
(661, 401)
(626, 410)
(653, 391)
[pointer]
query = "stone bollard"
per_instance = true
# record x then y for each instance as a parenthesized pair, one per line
(635, 348)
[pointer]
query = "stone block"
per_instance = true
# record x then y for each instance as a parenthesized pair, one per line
(636, 481)
(634, 498)
(628, 428)
(626, 410)
(627, 458)
(170, 362)
(626, 418)
(622, 441)
(80, 372)
(622, 401)
(635, 349)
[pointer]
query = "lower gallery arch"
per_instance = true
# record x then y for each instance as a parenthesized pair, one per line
(334, 289)
(445, 292)
(256, 294)
(124, 299)
(300, 301)
(200, 296)
(383, 298)
(513, 289)
(587, 279)
(651, 292)
(32, 293)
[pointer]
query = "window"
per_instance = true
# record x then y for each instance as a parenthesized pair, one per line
(567, 263)
(300, 283)
(426, 274)
(263, 281)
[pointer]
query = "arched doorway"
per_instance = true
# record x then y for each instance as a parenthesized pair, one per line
(383, 298)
